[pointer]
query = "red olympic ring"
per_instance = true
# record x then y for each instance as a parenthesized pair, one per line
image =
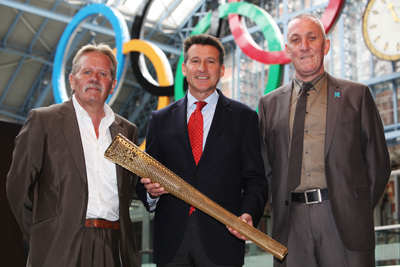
(252, 50)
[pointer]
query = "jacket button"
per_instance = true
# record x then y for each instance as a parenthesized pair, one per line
(81, 225)
(286, 203)
(196, 177)
(86, 192)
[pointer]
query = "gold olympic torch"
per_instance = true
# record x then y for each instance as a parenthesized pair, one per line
(126, 154)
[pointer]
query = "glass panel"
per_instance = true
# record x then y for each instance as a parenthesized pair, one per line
(257, 257)
(387, 252)
(146, 258)
(384, 101)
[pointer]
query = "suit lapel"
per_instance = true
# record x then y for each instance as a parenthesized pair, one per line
(221, 116)
(332, 110)
(180, 119)
(116, 128)
(69, 124)
(284, 99)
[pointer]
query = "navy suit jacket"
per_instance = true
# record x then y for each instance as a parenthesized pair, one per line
(357, 165)
(230, 172)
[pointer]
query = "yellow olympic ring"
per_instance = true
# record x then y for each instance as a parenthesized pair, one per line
(160, 63)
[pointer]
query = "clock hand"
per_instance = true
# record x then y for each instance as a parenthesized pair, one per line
(390, 6)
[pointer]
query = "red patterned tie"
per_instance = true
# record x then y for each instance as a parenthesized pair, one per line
(195, 128)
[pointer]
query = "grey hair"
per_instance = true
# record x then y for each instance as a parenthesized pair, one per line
(309, 15)
(100, 48)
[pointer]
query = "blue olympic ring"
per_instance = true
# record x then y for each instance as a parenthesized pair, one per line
(121, 36)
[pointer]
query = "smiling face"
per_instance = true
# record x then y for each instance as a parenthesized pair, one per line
(306, 47)
(202, 70)
(92, 83)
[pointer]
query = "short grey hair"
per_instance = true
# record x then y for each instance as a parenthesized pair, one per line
(309, 15)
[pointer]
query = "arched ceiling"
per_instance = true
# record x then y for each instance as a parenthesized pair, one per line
(30, 31)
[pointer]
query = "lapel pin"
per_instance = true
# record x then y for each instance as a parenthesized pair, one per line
(337, 94)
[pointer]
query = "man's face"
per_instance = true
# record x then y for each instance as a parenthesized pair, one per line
(202, 70)
(92, 82)
(306, 48)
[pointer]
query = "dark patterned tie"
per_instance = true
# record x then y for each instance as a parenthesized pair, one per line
(195, 129)
(296, 146)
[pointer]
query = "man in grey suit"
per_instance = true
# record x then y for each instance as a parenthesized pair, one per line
(325, 156)
(70, 202)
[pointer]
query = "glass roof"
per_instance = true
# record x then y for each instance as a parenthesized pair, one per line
(171, 9)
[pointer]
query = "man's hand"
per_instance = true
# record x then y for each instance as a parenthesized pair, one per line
(154, 189)
(247, 219)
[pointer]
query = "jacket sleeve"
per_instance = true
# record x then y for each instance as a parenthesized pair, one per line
(151, 149)
(25, 169)
(255, 186)
(374, 147)
(264, 149)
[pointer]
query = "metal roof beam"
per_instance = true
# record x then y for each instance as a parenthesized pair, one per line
(12, 115)
(382, 79)
(54, 16)
(163, 17)
(13, 26)
(10, 82)
(136, 112)
(37, 35)
(29, 99)
(131, 98)
(89, 26)
(186, 24)
(15, 63)
(22, 54)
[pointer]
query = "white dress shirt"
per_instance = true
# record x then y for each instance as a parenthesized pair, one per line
(101, 173)
(208, 112)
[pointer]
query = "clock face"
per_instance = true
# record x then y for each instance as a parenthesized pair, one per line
(381, 28)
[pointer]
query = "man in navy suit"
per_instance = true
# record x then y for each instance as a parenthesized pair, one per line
(230, 170)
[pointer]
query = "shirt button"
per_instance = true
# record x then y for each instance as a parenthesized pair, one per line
(308, 174)
(306, 152)
(306, 131)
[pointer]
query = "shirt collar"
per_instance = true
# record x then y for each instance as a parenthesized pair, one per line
(81, 112)
(211, 101)
(318, 82)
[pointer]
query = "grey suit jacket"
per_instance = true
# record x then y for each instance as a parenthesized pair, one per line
(357, 163)
(47, 187)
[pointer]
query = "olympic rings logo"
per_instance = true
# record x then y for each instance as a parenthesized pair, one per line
(271, 32)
